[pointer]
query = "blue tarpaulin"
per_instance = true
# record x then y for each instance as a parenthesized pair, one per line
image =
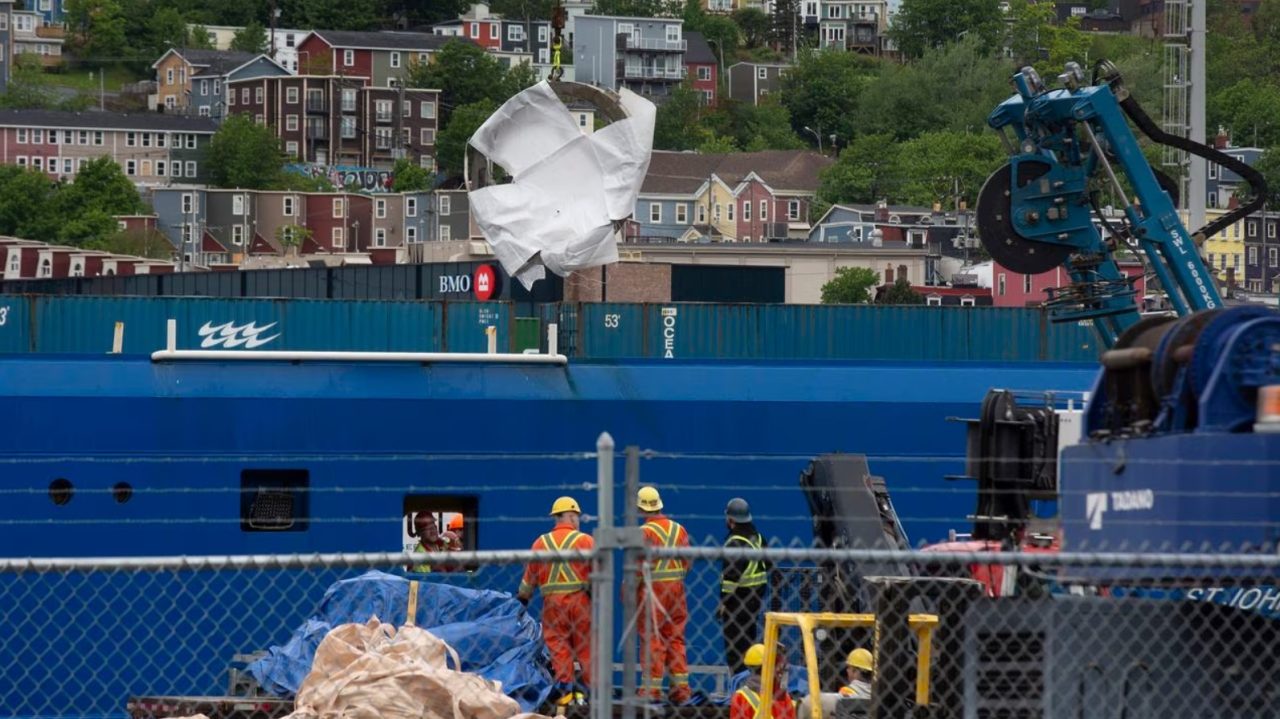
(491, 632)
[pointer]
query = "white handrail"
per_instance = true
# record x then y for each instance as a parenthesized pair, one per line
(168, 355)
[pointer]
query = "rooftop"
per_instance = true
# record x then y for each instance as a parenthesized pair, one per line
(385, 40)
(699, 50)
(106, 120)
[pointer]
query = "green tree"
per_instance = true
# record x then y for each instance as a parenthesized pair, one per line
(906, 100)
(408, 177)
(865, 172)
(713, 144)
(943, 166)
(244, 154)
(923, 24)
(299, 182)
(823, 91)
(465, 74)
(250, 38)
(676, 126)
(1250, 109)
(166, 28)
(28, 86)
(101, 186)
(87, 227)
(786, 21)
(198, 38)
(26, 204)
(1269, 166)
(900, 293)
(722, 33)
(756, 27)
(766, 126)
(531, 9)
(292, 236)
(451, 143)
(850, 286)
(332, 14)
(97, 29)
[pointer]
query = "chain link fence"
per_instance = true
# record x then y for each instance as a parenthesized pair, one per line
(969, 629)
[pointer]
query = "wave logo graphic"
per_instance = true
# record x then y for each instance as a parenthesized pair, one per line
(230, 336)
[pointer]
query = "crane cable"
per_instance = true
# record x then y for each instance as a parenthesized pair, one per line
(557, 41)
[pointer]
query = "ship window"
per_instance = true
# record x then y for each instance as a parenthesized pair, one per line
(274, 500)
(442, 509)
(122, 492)
(60, 491)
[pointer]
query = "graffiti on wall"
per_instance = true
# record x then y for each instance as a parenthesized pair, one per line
(364, 179)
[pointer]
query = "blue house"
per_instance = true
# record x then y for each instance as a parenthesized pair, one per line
(209, 84)
(51, 10)
(1223, 183)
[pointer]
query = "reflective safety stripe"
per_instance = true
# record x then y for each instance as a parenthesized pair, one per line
(667, 570)
(754, 575)
(561, 579)
(752, 698)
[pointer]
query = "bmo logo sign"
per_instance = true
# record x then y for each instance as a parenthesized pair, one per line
(483, 283)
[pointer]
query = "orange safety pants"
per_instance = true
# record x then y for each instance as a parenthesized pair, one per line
(661, 631)
(566, 628)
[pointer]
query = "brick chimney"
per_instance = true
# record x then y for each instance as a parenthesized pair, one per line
(882, 211)
(1223, 140)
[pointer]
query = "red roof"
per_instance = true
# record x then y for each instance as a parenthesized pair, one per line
(210, 244)
(260, 246)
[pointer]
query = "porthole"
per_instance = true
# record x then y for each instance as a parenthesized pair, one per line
(122, 492)
(60, 491)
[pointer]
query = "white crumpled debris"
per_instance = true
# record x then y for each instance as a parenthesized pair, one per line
(567, 188)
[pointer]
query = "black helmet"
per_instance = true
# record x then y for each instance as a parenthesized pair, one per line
(738, 510)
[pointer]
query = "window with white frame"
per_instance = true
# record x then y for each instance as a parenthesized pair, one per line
(130, 138)
(1253, 256)
(146, 138)
(715, 214)
(446, 204)
(291, 95)
(161, 167)
(1271, 257)
(444, 232)
(515, 33)
(336, 236)
(231, 97)
(97, 138)
(410, 207)
(655, 213)
(348, 127)
(493, 31)
(702, 214)
(348, 58)
(542, 33)
(348, 100)
(764, 210)
(168, 76)
(291, 123)
(237, 235)
(410, 234)
(731, 207)
(190, 166)
(933, 301)
(237, 204)
(217, 87)
(130, 166)
(704, 72)
(1252, 228)
(291, 149)
(84, 137)
(427, 109)
(258, 95)
(406, 136)
(22, 160)
(191, 141)
(746, 210)
(380, 237)
(682, 213)
(175, 171)
(380, 209)
(406, 108)
(427, 135)
(475, 30)
(382, 138)
(383, 110)
(260, 119)
(204, 87)
(337, 208)
(1271, 230)
(286, 206)
(673, 32)
(1000, 285)
(395, 59)
(68, 138)
(1026, 284)
(187, 200)
(967, 301)
(22, 135)
(793, 210)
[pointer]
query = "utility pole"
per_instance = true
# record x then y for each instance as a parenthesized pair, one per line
(274, 15)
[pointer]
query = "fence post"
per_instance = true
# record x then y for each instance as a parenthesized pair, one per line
(602, 584)
(630, 568)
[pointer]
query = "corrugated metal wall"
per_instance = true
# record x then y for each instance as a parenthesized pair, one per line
(590, 331)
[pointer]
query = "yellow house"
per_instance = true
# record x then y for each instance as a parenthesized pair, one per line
(714, 208)
(1224, 250)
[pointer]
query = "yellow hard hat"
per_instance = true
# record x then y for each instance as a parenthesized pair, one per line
(565, 504)
(754, 656)
(861, 659)
(648, 499)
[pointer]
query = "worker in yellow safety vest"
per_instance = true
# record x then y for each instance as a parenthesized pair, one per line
(743, 583)
(745, 703)
(431, 539)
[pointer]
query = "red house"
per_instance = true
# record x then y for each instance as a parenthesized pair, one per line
(373, 58)
(701, 67)
(1014, 289)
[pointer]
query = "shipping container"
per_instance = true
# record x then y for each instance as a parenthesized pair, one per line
(87, 324)
(862, 332)
(15, 325)
(465, 325)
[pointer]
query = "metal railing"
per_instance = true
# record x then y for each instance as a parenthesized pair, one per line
(632, 72)
(646, 43)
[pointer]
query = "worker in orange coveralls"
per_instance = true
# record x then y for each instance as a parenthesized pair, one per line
(662, 606)
(746, 701)
(566, 601)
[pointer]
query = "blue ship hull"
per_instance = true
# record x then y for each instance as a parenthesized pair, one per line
(180, 434)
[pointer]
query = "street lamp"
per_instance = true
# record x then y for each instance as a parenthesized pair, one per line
(816, 135)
